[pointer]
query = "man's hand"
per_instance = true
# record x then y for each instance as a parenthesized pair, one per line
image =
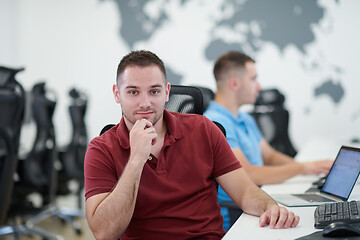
(317, 167)
(142, 137)
(278, 217)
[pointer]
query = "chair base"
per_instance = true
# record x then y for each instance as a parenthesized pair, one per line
(18, 230)
(29, 228)
(65, 214)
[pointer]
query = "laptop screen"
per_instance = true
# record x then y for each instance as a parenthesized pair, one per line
(344, 173)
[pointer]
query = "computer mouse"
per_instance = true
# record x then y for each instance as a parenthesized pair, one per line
(341, 229)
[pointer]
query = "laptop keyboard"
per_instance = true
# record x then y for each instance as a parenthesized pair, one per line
(337, 212)
(310, 197)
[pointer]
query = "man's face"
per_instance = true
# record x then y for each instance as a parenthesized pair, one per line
(249, 86)
(142, 93)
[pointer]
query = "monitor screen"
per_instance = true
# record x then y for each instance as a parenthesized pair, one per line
(344, 173)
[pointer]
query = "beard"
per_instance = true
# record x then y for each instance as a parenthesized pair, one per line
(133, 116)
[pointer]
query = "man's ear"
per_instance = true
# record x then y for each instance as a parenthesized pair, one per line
(232, 82)
(116, 93)
(167, 91)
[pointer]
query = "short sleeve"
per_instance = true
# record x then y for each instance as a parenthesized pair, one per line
(253, 126)
(99, 173)
(224, 159)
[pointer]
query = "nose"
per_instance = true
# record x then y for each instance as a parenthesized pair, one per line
(258, 86)
(144, 101)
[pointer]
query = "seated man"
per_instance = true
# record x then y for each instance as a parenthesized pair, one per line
(153, 174)
(237, 84)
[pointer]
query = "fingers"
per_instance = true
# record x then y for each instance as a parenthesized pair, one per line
(142, 136)
(149, 129)
(316, 167)
(279, 217)
(263, 220)
(285, 220)
(295, 222)
(274, 215)
(322, 166)
(143, 123)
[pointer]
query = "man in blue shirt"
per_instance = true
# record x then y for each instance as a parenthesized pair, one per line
(236, 80)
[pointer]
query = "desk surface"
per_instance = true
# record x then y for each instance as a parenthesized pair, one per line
(247, 226)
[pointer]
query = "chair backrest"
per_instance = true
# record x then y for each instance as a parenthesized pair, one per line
(12, 101)
(73, 159)
(273, 120)
(39, 166)
(8, 162)
(107, 127)
(185, 99)
(221, 127)
(208, 95)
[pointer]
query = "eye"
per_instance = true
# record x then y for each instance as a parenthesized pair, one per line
(155, 92)
(133, 92)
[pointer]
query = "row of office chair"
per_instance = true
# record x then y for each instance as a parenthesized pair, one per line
(36, 173)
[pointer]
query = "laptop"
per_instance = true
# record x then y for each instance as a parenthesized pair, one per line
(338, 185)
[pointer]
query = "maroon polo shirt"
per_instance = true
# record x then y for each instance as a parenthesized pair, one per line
(177, 196)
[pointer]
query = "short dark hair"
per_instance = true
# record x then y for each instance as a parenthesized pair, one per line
(229, 61)
(140, 58)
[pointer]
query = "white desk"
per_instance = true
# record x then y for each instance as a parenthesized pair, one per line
(247, 226)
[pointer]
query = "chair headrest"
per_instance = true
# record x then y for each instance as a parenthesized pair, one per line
(74, 93)
(39, 88)
(7, 75)
(270, 97)
(78, 97)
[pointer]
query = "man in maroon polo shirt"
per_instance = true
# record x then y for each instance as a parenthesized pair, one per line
(152, 176)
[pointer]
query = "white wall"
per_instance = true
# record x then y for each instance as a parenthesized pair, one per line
(67, 44)
(76, 43)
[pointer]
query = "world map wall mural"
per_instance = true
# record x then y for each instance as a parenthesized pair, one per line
(287, 38)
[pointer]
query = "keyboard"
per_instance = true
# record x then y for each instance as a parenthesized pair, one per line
(337, 212)
(312, 197)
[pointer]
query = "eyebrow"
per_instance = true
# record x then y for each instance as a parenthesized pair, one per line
(127, 87)
(152, 86)
(156, 86)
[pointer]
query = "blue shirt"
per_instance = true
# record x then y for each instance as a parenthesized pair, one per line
(241, 132)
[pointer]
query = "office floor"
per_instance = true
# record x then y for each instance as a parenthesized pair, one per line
(63, 229)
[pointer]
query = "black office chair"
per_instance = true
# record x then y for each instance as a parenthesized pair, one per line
(185, 99)
(12, 102)
(38, 169)
(273, 120)
(72, 157)
(37, 172)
